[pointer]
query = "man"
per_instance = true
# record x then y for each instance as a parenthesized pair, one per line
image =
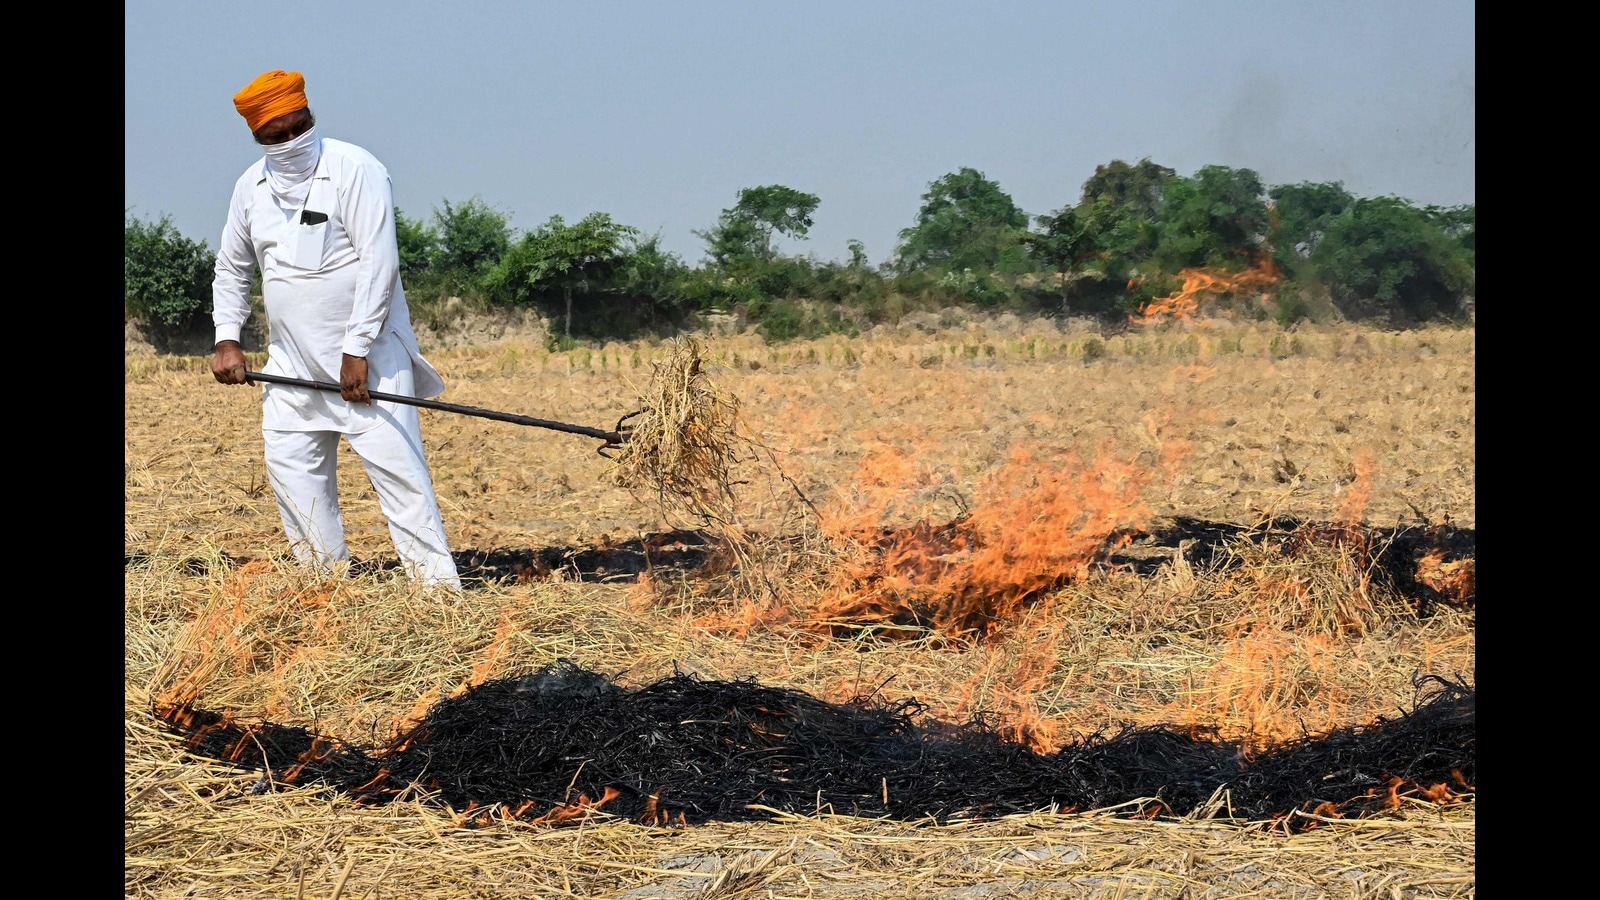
(317, 216)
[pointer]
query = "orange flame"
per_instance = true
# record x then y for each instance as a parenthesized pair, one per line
(319, 749)
(1045, 516)
(1184, 304)
(503, 633)
(1009, 683)
(1255, 691)
(371, 786)
(1456, 579)
(651, 815)
(1328, 810)
(1359, 492)
(577, 807)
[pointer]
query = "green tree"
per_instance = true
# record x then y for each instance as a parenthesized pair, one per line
(1216, 218)
(1385, 257)
(966, 222)
(472, 237)
(1119, 207)
(557, 259)
(1117, 213)
(1137, 189)
(1459, 222)
(742, 237)
(1064, 243)
(654, 277)
(776, 208)
(858, 254)
(419, 244)
(1300, 216)
(166, 278)
(734, 243)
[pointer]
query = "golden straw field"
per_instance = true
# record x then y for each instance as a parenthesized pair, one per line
(1053, 438)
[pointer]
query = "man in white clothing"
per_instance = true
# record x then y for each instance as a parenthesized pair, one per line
(316, 215)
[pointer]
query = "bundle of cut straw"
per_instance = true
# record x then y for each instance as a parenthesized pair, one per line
(685, 443)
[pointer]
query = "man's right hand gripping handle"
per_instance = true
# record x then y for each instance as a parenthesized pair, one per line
(228, 363)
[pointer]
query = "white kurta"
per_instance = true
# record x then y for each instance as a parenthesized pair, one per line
(330, 271)
(330, 287)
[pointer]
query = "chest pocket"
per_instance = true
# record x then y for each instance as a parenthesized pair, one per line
(309, 229)
(309, 239)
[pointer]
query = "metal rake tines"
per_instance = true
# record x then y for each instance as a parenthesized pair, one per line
(617, 438)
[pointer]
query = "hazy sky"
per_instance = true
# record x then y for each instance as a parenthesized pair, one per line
(658, 113)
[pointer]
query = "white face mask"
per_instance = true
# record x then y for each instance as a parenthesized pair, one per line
(290, 164)
(294, 158)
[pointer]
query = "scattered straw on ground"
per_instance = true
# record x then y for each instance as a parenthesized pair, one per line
(364, 657)
(1284, 636)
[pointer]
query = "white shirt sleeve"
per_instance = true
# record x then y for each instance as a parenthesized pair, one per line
(368, 199)
(236, 265)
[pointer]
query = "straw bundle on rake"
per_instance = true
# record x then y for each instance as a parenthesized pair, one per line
(685, 442)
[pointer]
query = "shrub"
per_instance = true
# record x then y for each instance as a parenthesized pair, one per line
(707, 290)
(780, 319)
(1300, 304)
(166, 276)
(784, 277)
(1385, 258)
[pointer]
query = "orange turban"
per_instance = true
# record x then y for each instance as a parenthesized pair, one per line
(271, 95)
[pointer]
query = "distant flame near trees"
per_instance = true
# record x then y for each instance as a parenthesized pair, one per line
(1040, 520)
(1198, 283)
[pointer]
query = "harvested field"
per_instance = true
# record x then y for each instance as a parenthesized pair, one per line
(988, 611)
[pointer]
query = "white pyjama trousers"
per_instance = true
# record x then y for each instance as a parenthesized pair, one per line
(302, 466)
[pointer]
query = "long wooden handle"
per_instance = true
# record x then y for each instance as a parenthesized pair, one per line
(610, 437)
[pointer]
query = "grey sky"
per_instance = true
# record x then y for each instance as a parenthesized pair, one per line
(659, 112)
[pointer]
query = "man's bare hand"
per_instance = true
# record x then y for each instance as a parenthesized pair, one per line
(353, 379)
(228, 365)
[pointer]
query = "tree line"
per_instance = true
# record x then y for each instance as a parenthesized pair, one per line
(1134, 234)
